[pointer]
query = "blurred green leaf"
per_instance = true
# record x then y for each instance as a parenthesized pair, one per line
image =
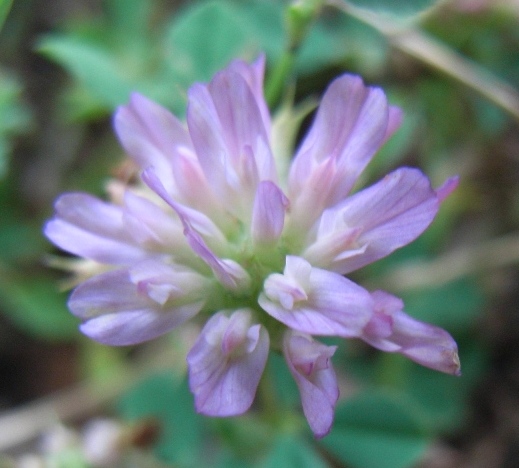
(205, 37)
(453, 306)
(376, 429)
(169, 401)
(15, 118)
(291, 451)
(97, 70)
(33, 303)
(397, 8)
(5, 6)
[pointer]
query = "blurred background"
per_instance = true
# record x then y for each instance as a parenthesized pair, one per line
(453, 66)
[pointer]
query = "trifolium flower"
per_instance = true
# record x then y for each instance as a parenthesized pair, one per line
(215, 232)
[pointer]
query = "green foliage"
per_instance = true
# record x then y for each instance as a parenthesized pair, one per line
(168, 401)
(375, 429)
(5, 6)
(14, 116)
(397, 8)
(33, 303)
(291, 451)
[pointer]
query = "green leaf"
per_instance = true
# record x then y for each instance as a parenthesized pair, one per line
(375, 429)
(169, 401)
(34, 304)
(203, 38)
(397, 8)
(5, 6)
(453, 306)
(91, 65)
(291, 451)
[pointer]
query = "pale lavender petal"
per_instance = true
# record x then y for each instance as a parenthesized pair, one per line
(310, 364)
(350, 126)
(226, 363)
(196, 224)
(315, 301)
(88, 227)
(395, 117)
(230, 139)
(374, 222)
(150, 134)
(254, 74)
(391, 330)
(268, 214)
(118, 312)
(447, 188)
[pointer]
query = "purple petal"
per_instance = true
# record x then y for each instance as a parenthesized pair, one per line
(118, 312)
(231, 142)
(310, 365)
(268, 214)
(253, 74)
(395, 117)
(391, 330)
(150, 134)
(350, 126)
(228, 272)
(447, 188)
(315, 301)
(88, 227)
(374, 222)
(226, 363)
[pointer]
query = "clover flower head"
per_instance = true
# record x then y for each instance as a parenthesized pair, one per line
(213, 231)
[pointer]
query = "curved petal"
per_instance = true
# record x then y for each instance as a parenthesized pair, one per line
(231, 142)
(91, 228)
(310, 364)
(150, 134)
(268, 214)
(391, 330)
(350, 126)
(315, 301)
(226, 363)
(119, 311)
(374, 222)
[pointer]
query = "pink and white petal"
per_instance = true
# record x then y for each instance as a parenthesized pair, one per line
(88, 227)
(319, 303)
(226, 363)
(268, 215)
(387, 215)
(350, 126)
(421, 342)
(310, 364)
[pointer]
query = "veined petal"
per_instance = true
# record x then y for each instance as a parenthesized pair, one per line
(385, 217)
(226, 363)
(151, 135)
(315, 301)
(253, 75)
(118, 311)
(310, 364)
(227, 127)
(392, 330)
(91, 228)
(196, 224)
(350, 126)
(268, 214)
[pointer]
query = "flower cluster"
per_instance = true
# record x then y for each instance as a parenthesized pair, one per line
(215, 231)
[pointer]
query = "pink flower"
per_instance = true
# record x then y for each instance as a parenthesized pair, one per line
(214, 232)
